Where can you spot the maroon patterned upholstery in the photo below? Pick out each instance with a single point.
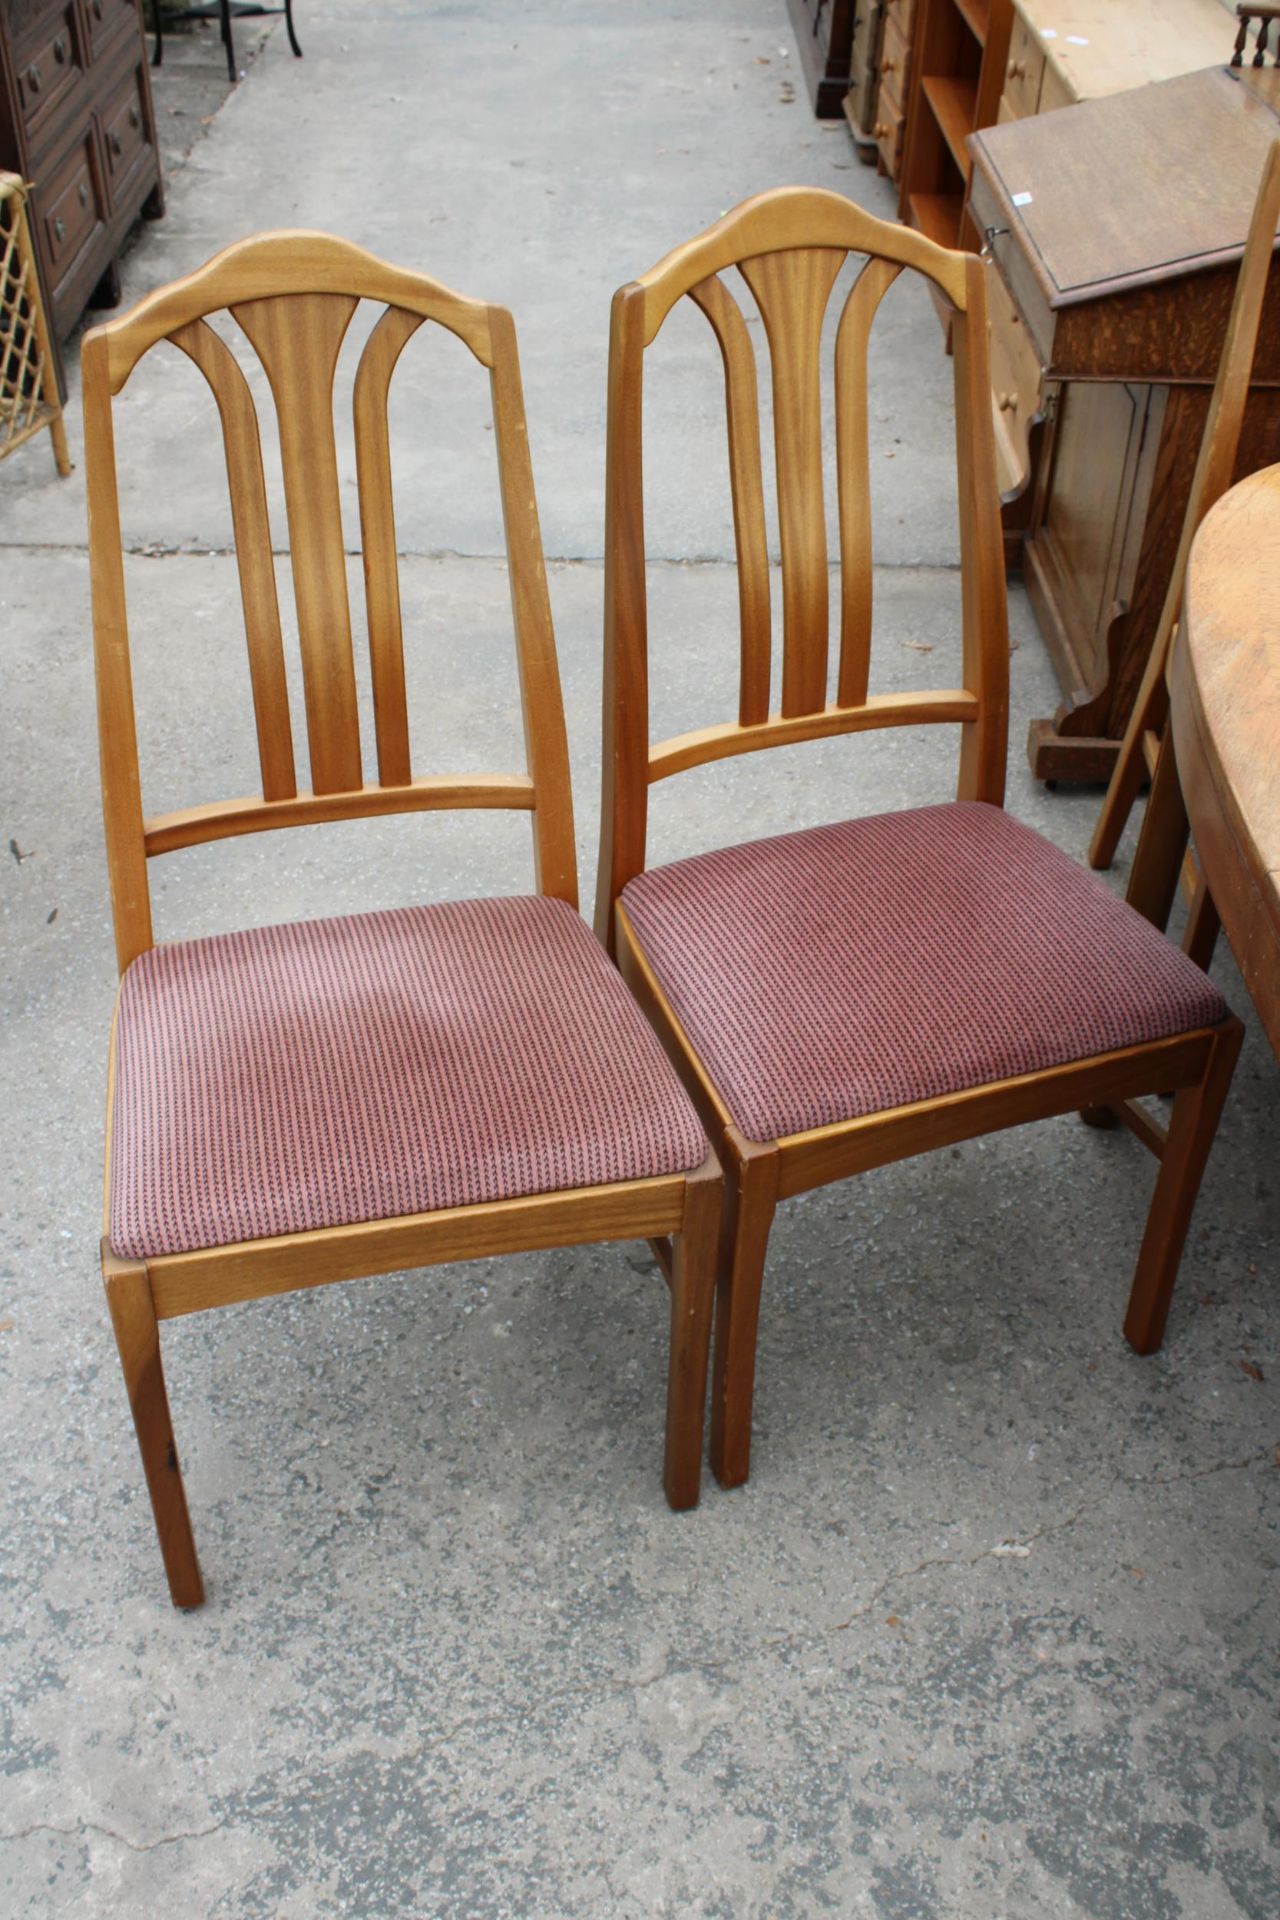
(380, 1065)
(842, 971)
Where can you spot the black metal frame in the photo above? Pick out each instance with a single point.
(224, 11)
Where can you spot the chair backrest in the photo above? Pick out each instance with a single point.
(789, 246)
(293, 296)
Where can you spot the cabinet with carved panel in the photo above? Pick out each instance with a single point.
(77, 120)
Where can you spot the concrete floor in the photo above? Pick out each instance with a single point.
(992, 1631)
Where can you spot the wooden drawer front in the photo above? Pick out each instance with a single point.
(888, 132)
(898, 13)
(894, 55)
(49, 67)
(1055, 90)
(1024, 71)
(987, 212)
(106, 19)
(124, 130)
(1015, 381)
(864, 24)
(71, 210)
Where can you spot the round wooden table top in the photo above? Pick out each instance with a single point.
(1225, 682)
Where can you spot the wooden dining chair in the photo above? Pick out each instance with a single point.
(1159, 858)
(853, 994)
(308, 1103)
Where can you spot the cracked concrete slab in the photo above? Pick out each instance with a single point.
(991, 1632)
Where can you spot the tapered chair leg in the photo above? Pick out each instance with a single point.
(693, 1289)
(750, 1203)
(1130, 770)
(1191, 1131)
(1203, 927)
(138, 1338)
(1157, 863)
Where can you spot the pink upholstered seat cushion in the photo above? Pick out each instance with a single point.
(839, 972)
(380, 1065)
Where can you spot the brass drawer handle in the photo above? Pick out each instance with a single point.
(60, 50)
(84, 194)
(59, 230)
(33, 78)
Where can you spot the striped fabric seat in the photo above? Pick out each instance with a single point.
(825, 975)
(376, 1066)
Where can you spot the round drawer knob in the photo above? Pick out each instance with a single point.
(880, 130)
(890, 66)
(1017, 69)
(135, 118)
(33, 78)
(117, 144)
(84, 194)
(59, 230)
(1008, 403)
(60, 50)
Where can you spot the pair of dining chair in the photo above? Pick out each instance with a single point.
(309, 1103)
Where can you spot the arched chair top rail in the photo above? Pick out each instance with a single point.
(290, 262)
(780, 221)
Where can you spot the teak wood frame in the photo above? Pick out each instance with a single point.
(788, 246)
(293, 295)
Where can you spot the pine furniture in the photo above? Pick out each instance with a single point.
(855, 994)
(304, 1104)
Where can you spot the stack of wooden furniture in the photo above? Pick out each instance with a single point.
(1116, 232)
(77, 121)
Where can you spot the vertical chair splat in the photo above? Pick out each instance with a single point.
(853, 478)
(742, 407)
(378, 541)
(545, 735)
(298, 337)
(251, 523)
(791, 290)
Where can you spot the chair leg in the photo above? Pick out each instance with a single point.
(750, 1203)
(1157, 863)
(1191, 1129)
(1203, 928)
(693, 1289)
(138, 1338)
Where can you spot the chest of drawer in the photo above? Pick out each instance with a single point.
(124, 130)
(107, 18)
(71, 211)
(1024, 71)
(49, 68)
(894, 55)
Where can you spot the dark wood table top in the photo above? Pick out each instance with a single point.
(1225, 681)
